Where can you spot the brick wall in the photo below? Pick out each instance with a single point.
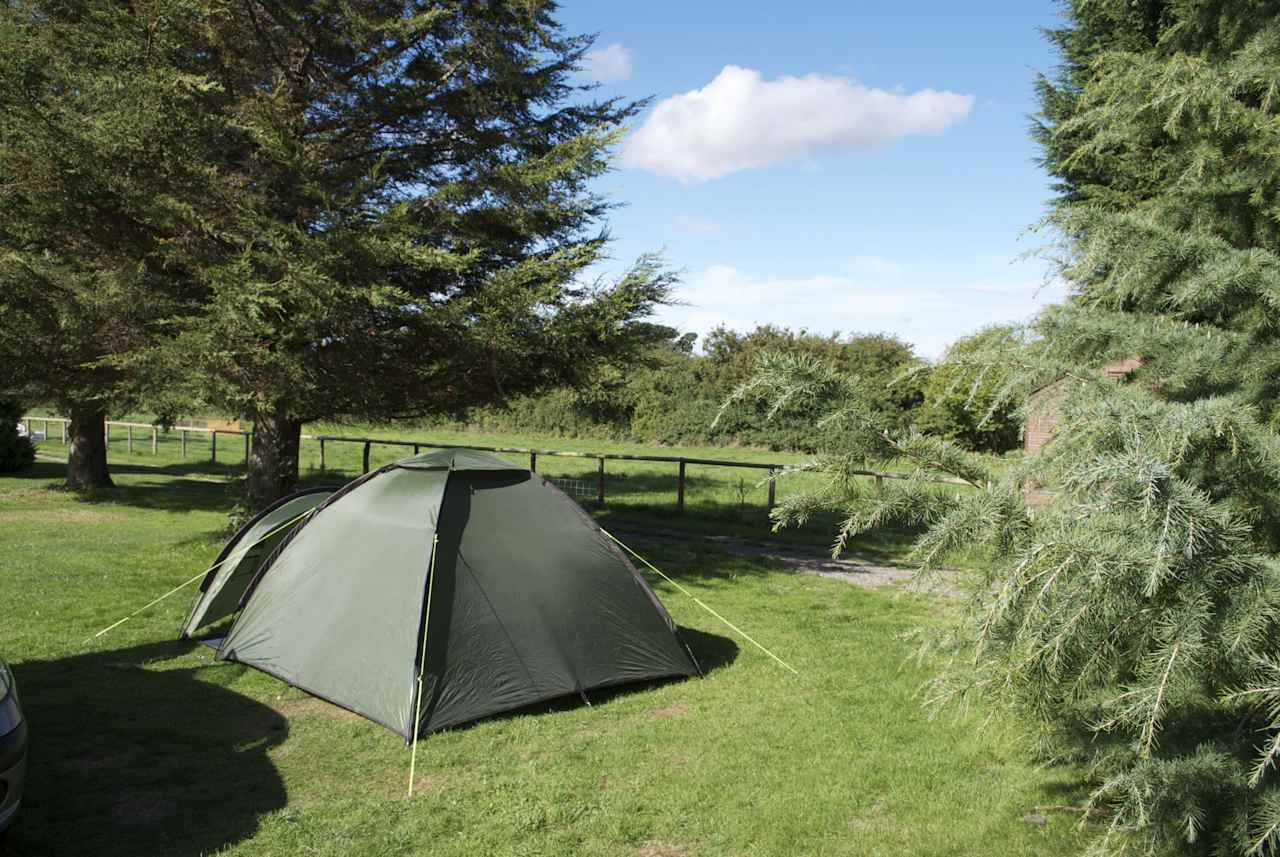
(1043, 416)
(1043, 405)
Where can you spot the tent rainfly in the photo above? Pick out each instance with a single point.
(224, 586)
(437, 590)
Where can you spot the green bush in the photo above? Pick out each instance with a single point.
(961, 404)
(16, 452)
(673, 398)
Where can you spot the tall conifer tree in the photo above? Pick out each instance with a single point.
(415, 216)
(363, 209)
(107, 200)
(1136, 615)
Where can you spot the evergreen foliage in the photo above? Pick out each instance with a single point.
(107, 200)
(289, 211)
(963, 406)
(673, 395)
(1136, 614)
(413, 218)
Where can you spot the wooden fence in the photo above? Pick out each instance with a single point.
(681, 462)
(152, 429)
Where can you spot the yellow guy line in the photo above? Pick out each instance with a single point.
(237, 556)
(700, 603)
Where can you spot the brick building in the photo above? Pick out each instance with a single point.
(1043, 414)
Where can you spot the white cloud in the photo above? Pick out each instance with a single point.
(930, 316)
(740, 121)
(875, 265)
(696, 225)
(608, 65)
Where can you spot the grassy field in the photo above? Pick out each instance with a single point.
(142, 745)
(720, 500)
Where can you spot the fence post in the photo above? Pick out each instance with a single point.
(106, 434)
(415, 449)
(46, 429)
(63, 423)
(367, 444)
(182, 433)
(129, 431)
(773, 474)
(28, 423)
(533, 462)
(680, 491)
(322, 453)
(600, 484)
(155, 440)
(213, 444)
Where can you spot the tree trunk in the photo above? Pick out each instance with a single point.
(87, 459)
(273, 459)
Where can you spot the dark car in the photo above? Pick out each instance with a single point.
(13, 748)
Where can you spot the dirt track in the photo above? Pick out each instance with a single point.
(797, 558)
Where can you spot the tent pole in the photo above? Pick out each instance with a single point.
(422, 661)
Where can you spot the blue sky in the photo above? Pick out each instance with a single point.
(836, 166)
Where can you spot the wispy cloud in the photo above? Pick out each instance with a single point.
(741, 121)
(928, 314)
(877, 266)
(696, 225)
(611, 64)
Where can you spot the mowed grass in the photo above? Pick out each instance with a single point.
(141, 745)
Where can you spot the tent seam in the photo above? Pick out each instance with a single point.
(670, 622)
(515, 650)
(415, 687)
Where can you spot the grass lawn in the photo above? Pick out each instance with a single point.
(145, 746)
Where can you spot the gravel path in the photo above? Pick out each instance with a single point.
(797, 558)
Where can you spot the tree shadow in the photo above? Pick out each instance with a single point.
(131, 756)
(205, 469)
(169, 489)
(40, 470)
(169, 495)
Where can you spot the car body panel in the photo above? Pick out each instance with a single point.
(13, 772)
(13, 748)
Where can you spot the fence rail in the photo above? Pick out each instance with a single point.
(150, 427)
(775, 469)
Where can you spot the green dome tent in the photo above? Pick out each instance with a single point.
(511, 593)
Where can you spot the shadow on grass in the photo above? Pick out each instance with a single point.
(885, 546)
(128, 757)
(205, 469)
(169, 495)
(176, 489)
(711, 651)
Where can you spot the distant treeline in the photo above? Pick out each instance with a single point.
(675, 395)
